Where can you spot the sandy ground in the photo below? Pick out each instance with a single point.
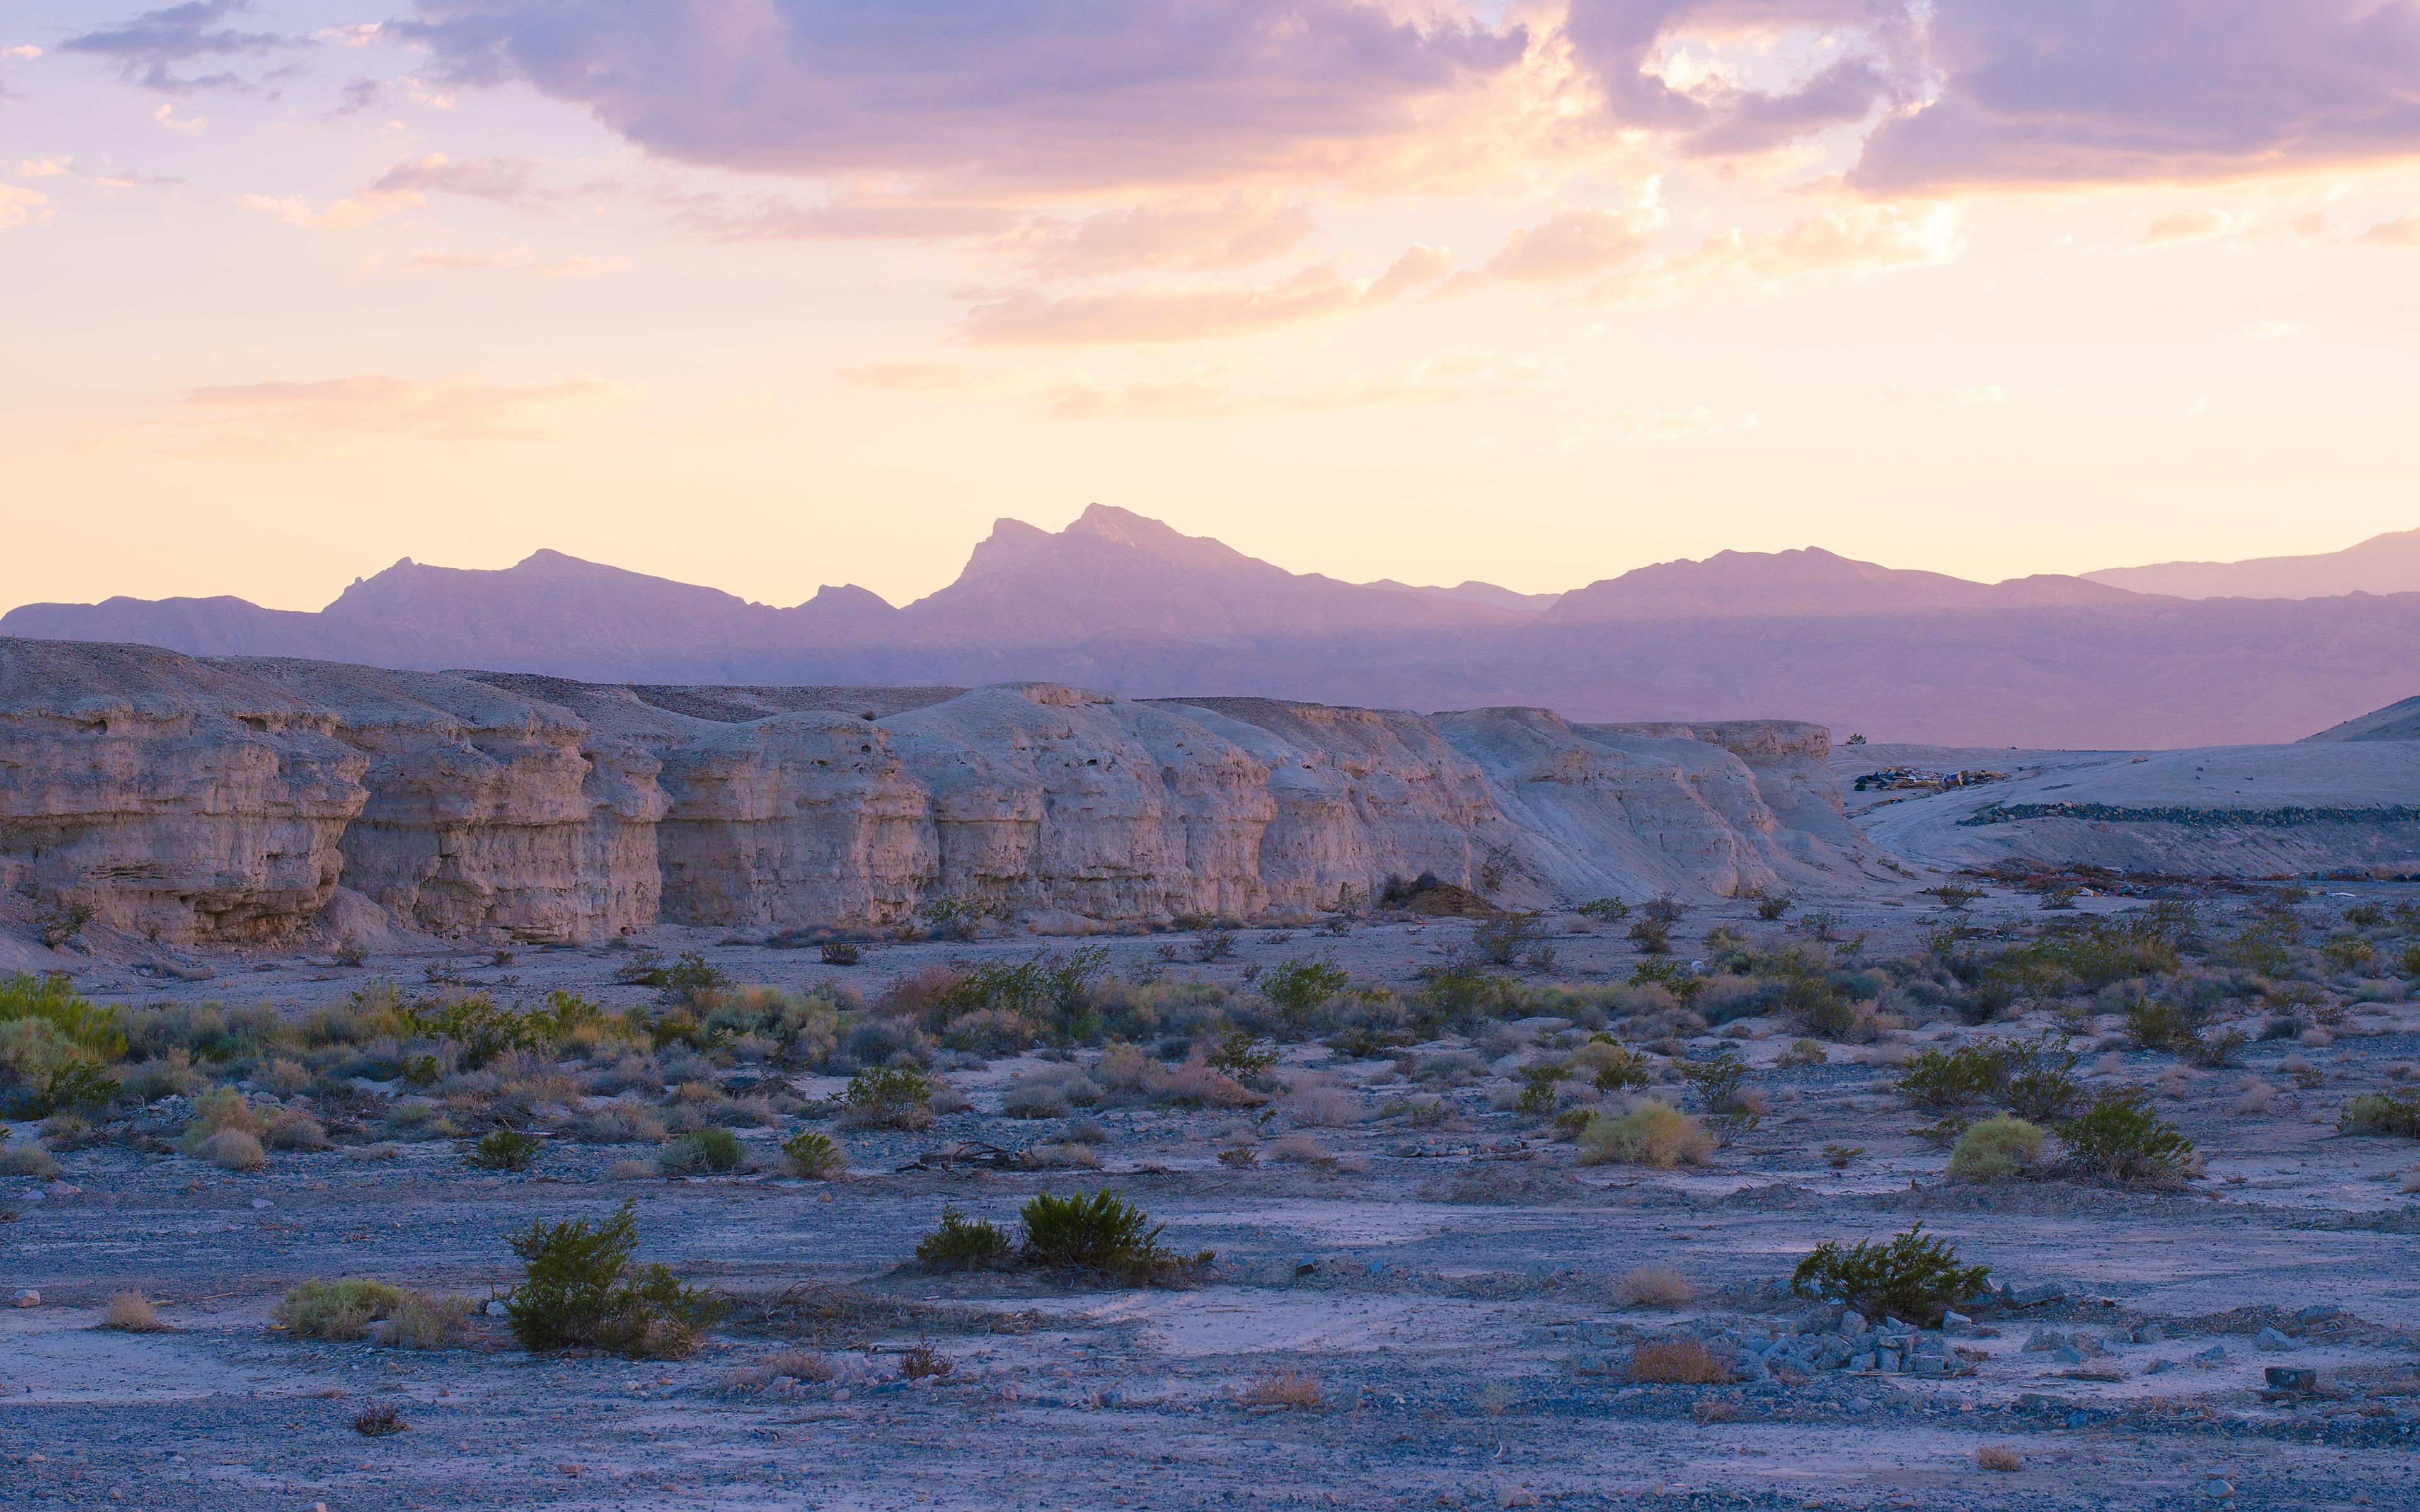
(1451, 1289)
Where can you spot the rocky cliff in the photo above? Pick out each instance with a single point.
(238, 798)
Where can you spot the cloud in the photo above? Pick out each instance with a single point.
(519, 260)
(338, 215)
(2186, 226)
(167, 115)
(1210, 393)
(25, 50)
(1861, 239)
(772, 218)
(1242, 227)
(46, 167)
(19, 206)
(977, 97)
(502, 180)
(1966, 93)
(1574, 244)
(1629, 425)
(2403, 231)
(1028, 318)
(2047, 93)
(1878, 63)
(147, 48)
(255, 417)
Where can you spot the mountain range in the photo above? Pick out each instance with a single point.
(1123, 603)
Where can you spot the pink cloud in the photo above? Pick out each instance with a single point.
(1028, 318)
(976, 96)
(1242, 227)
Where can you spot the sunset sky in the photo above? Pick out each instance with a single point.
(765, 294)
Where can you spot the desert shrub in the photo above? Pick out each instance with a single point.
(1048, 1093)
(28, 1160)
(1774, 905)
(2118, 1138)
(817, 1157)
(379, 1421)
(1839, 1156)
(1299, 989)
(578, 1290)
(1321, 1105)
(706, 1151)
(963, 1243)
(1281, 1388)
(422, 1321)
(1503, 941)
(622, 1121)
(233, 1150)
(887, 1097)
(1537, 1095)
(504, 1149)
(1649, 936)
(1995, 1149)
(1654, 1286)
(295, 1130)
(1612, 1066)
(1944, 1080)
(1606, 910)
(840, 953)
(2038, 1081)
(1682, 1362)
(1300, 1150)
(338, 1310)
(2000, 1456)
(2381, 1113)
(1953, 896)
(53, 1000)
(1718, 1080)
(1213, 945)
(1653, 1133)
(2347, 953)
(1243, 1053)
(1910, 1276)
(130, 1312)
(2158, 1026)
(1101, 1232)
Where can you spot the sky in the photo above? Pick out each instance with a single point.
(767, 294)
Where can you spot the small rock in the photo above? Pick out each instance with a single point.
(495, 1307)
(2150, 1334)
(1955, 1320)
(2068, 1354)
(262, 1204)
(2217, 1489)
(2042, 1341)
(2318, 1314)
(1515, 1496)
(26, 1297)
(2159, 1367)
(2215, 1354)
(2270, 1338)
(1852, 1323)
(2035, 1296)
(2291, 1377)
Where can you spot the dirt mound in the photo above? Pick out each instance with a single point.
(1447, 901)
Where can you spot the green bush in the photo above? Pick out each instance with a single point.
(2153, 1025)
(54, 1001)
(1774, 906)
(2038, 1082)
(2118, 1138)
(1243, 1053)
(1948, 1079)
(889, 1097)
(2381, 1113)
(815, 1156)
(1605, 910)
(504, 1149)
(963, 1243)
(1995, 1149)
(1299, 989)
(579, 1291)
(1910, 1277)
(1102, 1232)
(360, 1308)
(706, 1152)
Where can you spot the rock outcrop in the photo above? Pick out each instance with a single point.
(228, 800)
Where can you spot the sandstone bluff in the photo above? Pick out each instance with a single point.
(240, 798)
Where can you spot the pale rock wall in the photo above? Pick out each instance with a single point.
(176, 798)
(223, 800)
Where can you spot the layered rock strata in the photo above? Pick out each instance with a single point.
(230, 798)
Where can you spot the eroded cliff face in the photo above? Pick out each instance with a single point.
(228, 798)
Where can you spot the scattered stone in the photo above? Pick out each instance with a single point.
(26, 1297)
(2215, 1354)
(2291, 1377)
(495, 1307)
(2270, 1338)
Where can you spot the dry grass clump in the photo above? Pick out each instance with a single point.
(233, 1150)
(1655, 1286)
(1299, 1150)
(1281, 1388)
(1320, 1106)
(130, 1312)
(1998, 1457)
(294, 1129)
(28, 1160)
(1999, 1148)
(797, 1365)
(2257, 1099)
(364, 1308)
(1061, 1155)
(1653, 1134)
(1680, 1362)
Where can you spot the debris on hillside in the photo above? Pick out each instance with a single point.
(1892, 777)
